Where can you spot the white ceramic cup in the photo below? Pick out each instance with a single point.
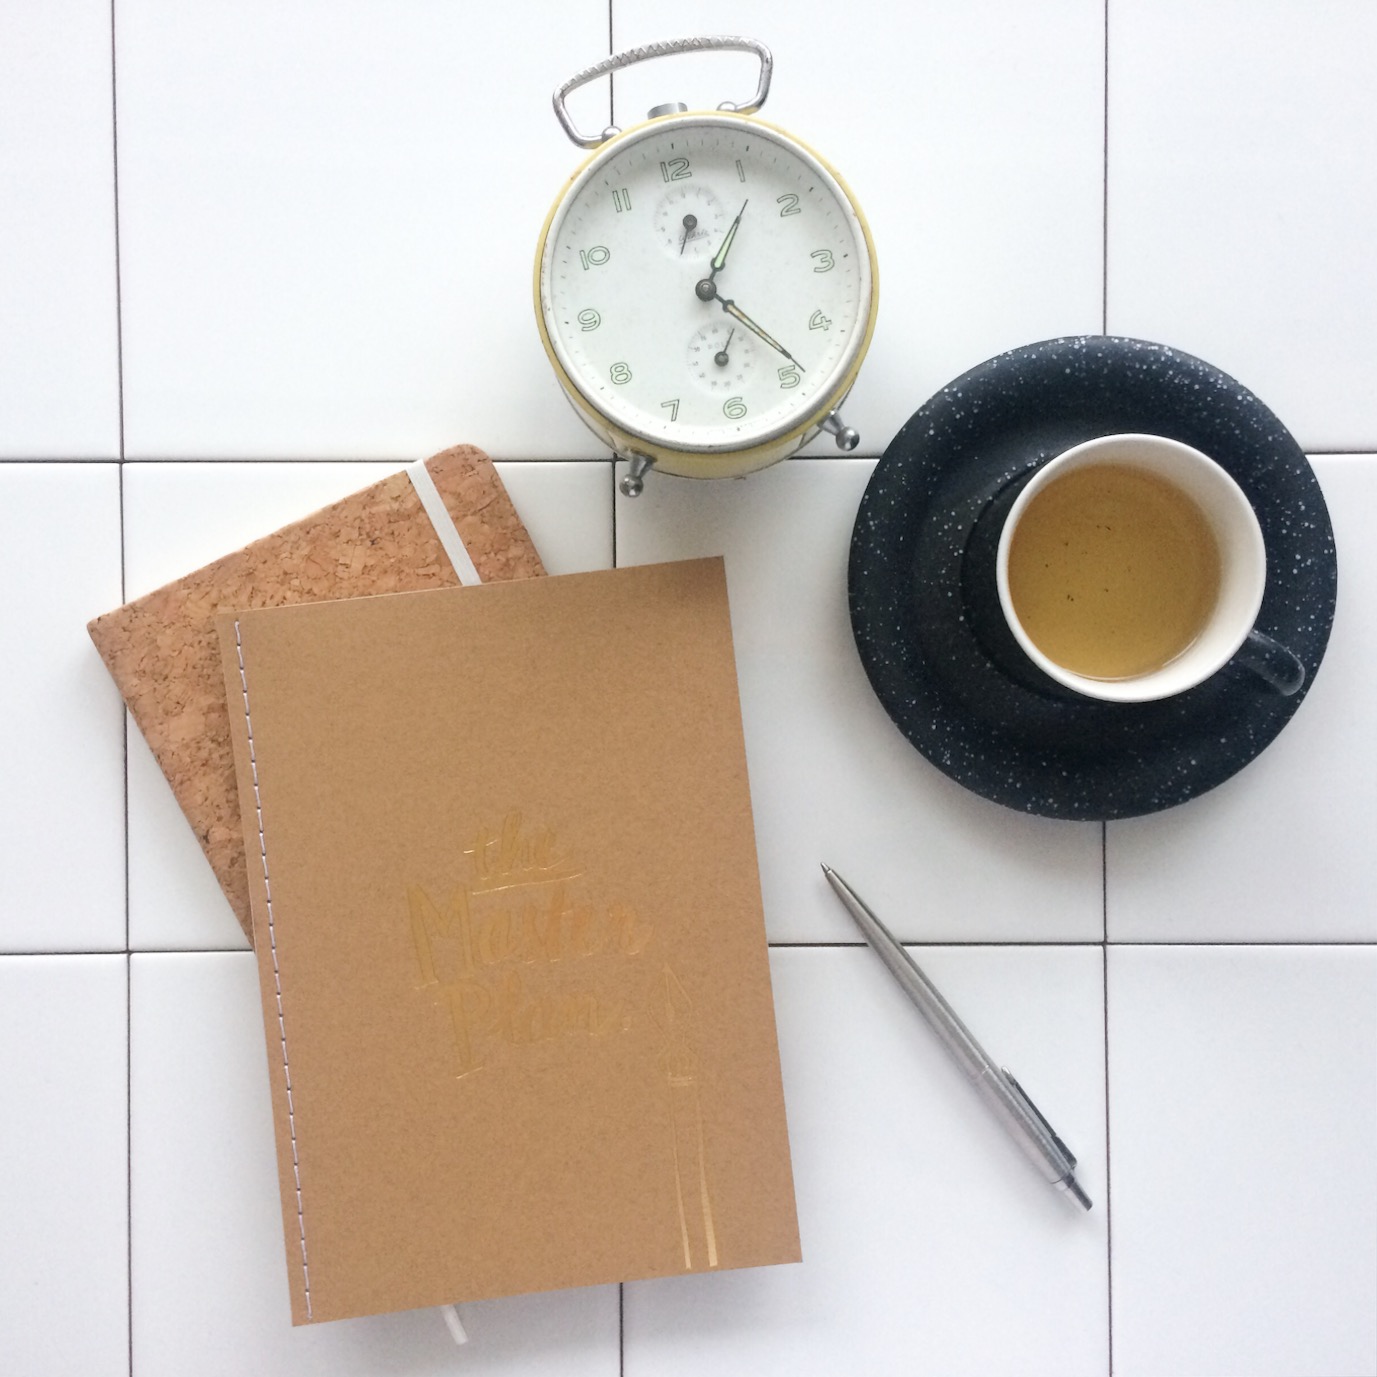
(1242, 559)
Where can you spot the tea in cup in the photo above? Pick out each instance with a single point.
(1132, 567)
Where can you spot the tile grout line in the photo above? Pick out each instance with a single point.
(611, 76)
(128, 957)
(1108, 1163)
(115, 169)
(1104, 188)
(1367, 452)
(129, 1149)
(1108, 1176)
(959, 942)
(612, 491)
(128, 991)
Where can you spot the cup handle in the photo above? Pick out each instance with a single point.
(1272, 663)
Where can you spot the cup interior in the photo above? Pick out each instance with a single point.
(1238, 540)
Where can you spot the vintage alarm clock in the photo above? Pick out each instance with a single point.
(705, 284)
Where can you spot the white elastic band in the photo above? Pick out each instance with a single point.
(453, 544)
(456, 1325)
(445, 528)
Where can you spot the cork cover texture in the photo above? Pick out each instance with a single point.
(164, 655)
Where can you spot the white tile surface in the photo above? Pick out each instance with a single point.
(179, 517)
(973, 137)
(209, 1268)
(328, 218)
(832, 779)
(567, 508)
(1243, 1119)
(1272, 855)
(59, 345)
(1241, 198)
(929, 1242)
(62, 806)
(64, 1273)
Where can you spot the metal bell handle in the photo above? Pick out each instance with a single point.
(720, 42)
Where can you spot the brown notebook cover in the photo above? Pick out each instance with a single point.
(510, 942)
(164, 656)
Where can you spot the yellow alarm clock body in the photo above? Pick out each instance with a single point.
(705, 289)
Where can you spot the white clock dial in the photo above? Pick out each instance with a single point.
(706, 284)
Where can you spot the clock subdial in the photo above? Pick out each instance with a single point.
(722, 358)
(689, 220)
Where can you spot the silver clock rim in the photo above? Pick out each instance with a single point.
(839, 377)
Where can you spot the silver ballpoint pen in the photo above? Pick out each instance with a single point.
(1010, 1102)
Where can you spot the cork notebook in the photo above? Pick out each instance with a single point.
(510, 944)
(163, 654)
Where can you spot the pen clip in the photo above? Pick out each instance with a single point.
(1022, 1096)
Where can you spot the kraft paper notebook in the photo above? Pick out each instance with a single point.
(510, 942)
(395, 536)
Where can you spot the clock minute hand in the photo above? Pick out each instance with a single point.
(736, 313)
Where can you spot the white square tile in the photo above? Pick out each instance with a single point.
(62, 811)
(567, 508)
(832, 779)
(1283, 851)
(971, 135)
(209, 1270)
(1241, 197)
(328, 220)
(929, 1242)
(1243, 1119)
(59, 337)
(64, 1254)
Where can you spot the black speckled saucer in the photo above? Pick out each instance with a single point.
(1003, 738)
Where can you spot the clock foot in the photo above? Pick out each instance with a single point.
(847, 439)
(633, 481)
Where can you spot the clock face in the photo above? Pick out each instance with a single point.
(706, 284)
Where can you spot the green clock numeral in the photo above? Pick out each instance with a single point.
(825, 260)
(789, 376)
(621, 200)
(790, 203)
(673, 408)
(619, 373)
(589, 319)
(594, 257)
(675, 169)
(818, 321)
(740, 171)
(734, 408)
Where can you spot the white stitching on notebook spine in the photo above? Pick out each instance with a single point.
(277, 972)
